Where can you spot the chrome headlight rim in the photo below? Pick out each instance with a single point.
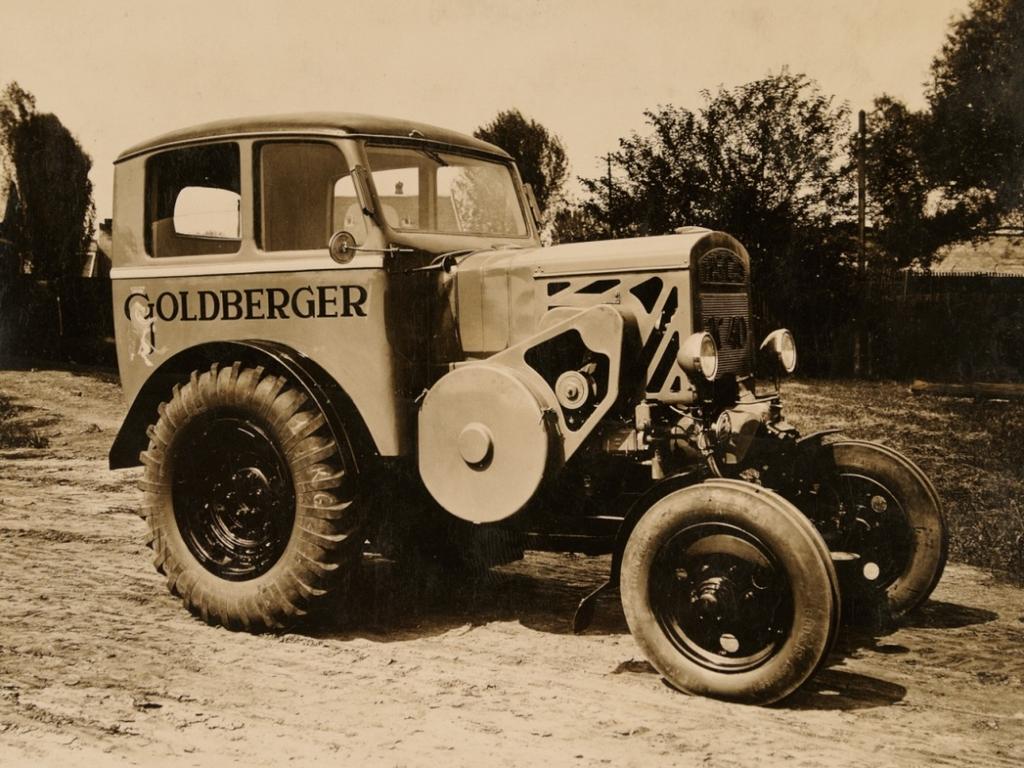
(782, 344)
(698, 356)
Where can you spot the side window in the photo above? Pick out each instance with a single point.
(300, 186)
(193, 201)
(397, 175)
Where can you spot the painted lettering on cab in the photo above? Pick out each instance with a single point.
(304, 302)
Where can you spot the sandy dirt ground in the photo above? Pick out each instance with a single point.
(100, 665)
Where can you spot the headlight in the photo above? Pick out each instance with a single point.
(723, 427)
(782, 346)
(699, 355)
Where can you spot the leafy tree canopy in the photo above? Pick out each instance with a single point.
(50, 209)
(762, 161)
(909, 213)
(538, 153)
(975, 94)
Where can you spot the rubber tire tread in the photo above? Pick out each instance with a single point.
(327, 536)
(834, 585)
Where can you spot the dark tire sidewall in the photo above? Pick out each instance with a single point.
(924, 518)
(791, 540)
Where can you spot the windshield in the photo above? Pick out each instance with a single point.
(421, 190)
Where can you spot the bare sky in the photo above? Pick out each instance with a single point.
(120, 72)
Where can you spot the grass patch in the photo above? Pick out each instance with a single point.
(14, 433)
(971, 451)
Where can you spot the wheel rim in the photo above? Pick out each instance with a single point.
(860, 515)
(233, 495)
(721, 597)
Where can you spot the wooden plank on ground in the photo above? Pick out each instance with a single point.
(987, 390)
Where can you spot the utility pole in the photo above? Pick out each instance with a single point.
(862, 264)
(609, 159)
(862, 121)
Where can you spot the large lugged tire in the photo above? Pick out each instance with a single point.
(249, 499)
(870, 500)
(729, 591)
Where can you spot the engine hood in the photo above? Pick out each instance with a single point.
(646, 253)
(498, 297)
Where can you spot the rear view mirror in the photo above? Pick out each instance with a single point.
(342, 246)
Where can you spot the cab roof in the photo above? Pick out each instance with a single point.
(311, 123)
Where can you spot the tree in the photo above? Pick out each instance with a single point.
(53, 210)
(762, 161)
(976, 146)
(658, 180)
(10, 263)
(911, 214)
(49, 213)
(15, 106)
(538, 153)
(897, 184)
(576, 223)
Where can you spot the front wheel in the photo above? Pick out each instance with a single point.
(249, 498)
(730, 592)
(874, 503)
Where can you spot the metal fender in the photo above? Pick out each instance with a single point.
(321, 389)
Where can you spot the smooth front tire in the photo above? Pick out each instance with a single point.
(249, 499)
(875, 503)
(729, 591)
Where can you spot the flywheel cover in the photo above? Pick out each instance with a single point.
(483, 442)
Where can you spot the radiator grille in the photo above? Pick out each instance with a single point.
(726, 316)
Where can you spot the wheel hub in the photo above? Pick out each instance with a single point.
(859, 515)
(233, 497)
(720, 598)
(713, 599)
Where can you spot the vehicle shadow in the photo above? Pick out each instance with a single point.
(936, 614)
(391, 602)
(863, 632)
(828, 690)
(842, 690)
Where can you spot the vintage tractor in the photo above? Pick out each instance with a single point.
(335, 329)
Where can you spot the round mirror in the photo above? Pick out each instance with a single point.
(342, 246)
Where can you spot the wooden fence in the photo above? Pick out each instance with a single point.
(39, 321)
(963, 327)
